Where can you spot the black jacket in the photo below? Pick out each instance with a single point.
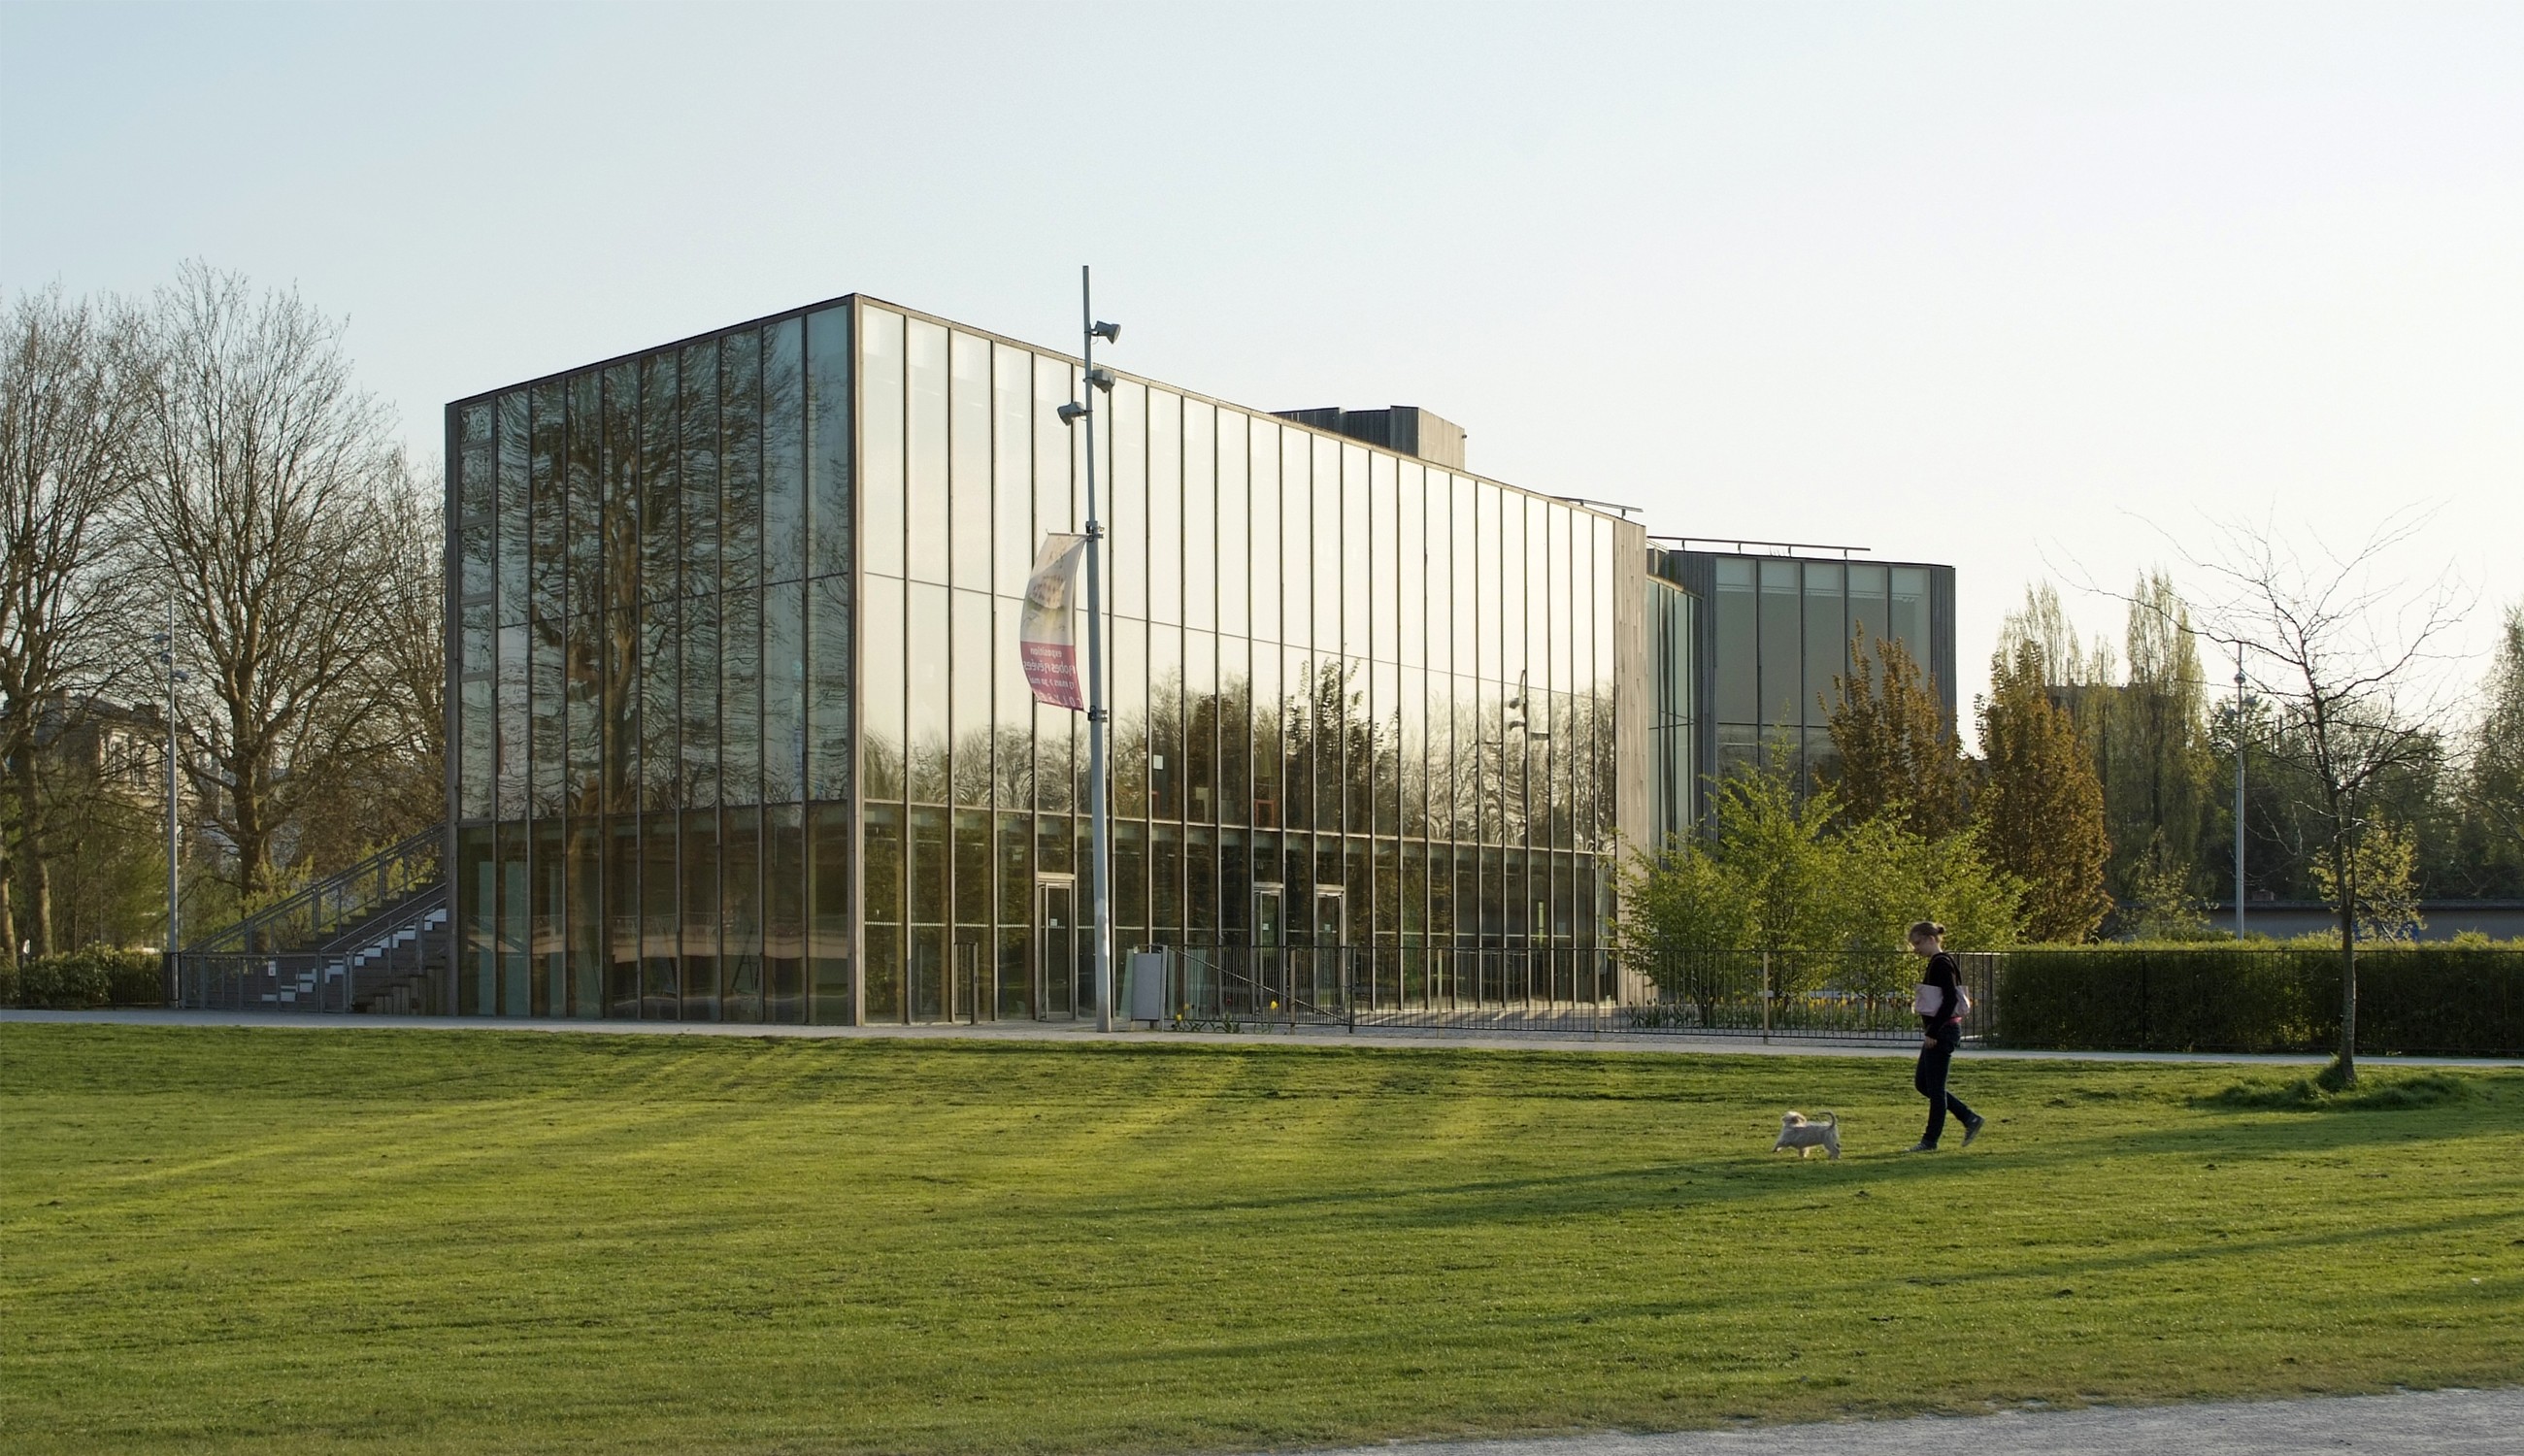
(1949, 1005)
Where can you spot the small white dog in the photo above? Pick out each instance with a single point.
(1806, 1134)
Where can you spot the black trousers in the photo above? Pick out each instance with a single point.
(1931, 1079)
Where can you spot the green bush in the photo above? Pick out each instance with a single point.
(85, 978)
(2397, 1092)
(2455, 1001)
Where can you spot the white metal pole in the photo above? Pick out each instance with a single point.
(174, 918)
(2239, 791)
(1097, 808)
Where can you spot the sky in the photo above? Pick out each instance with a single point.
(2042, 291)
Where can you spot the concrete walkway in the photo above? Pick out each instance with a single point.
(2437, 1423)
(1066, 1033)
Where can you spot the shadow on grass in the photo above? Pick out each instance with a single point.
(1730, 1176)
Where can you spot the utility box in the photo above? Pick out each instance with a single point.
(1145, 980)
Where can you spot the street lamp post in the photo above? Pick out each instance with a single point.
(1523, 704)
(1098, 810)
(2240, 700)
(175, 917)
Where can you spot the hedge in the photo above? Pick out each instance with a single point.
(2455, 1001)
(80, 980)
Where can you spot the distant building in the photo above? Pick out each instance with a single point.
(98, 744)
(1755, 641)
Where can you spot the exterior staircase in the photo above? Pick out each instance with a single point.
(373, 938)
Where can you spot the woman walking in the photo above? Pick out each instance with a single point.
(1941, 1014)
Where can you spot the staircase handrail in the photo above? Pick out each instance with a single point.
(413, 907)
(335, 901)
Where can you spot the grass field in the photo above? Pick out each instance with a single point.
(375, 1240)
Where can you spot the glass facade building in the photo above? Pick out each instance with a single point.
(1768, 637)
(740, 732)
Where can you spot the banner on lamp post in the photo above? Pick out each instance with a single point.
(1046, 632)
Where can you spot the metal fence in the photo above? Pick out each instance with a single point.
(2435, 999)
(1832, 995)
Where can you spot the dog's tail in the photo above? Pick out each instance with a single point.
(1827, 1119)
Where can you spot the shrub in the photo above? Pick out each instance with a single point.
(2410, 998)
(62, 982)
(87, 978)
(2321, 1092)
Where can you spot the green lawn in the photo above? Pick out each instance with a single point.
(369, 1241)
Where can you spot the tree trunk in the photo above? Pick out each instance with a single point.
(39, 879)
(252, 845)
(39, 904)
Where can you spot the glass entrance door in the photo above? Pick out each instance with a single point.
(1264, 990)
(1055, 943)
(972, 993)
(1328, 956)
(1331, 921)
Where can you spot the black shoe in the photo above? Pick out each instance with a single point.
(1971, 1129)
(1922, 1147)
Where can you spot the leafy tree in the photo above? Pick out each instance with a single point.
(2043, 625)
(2149, 747)
(1677, 906)
(2380, 893)
(2160, 905)
(1770, 843)
(1898, 759)
(1887, 878)
(2041, 808)
(2492, 814)
(2142, 719)
(1774, 874)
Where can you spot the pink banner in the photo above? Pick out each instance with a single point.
(1046, 632)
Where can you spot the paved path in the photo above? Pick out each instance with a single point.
(1075, 1033)
(2439, 1423)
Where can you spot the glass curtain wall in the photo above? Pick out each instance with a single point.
(1783, 630)
(742, 733)
(654, 708)
(1357, 699)
(1674, 720)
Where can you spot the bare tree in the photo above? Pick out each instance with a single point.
(381, 774)
(2337, 655)
(69, 402)
(266, 470)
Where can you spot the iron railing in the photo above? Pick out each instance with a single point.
(392, 964)
(324, 910)
(1844, 996)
